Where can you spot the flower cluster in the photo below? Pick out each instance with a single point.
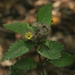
(38, 34)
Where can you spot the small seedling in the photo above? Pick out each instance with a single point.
(35, 36)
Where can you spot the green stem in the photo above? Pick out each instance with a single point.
(41, 64)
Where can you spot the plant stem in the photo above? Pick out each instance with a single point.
(41, 64)
(39, 57)
(42, 71)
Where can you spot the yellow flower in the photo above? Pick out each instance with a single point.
(28, 35)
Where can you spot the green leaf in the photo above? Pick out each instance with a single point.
(65, 60)
(53, 45)
(44, 15)
(51, 50)
(25, 64)
(17, 72)
(18, 27)
(17, 49)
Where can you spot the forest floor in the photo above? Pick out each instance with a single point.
(62, 29)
